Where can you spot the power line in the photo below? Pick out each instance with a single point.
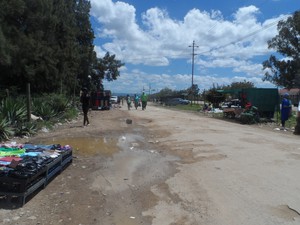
(246, 36)
(220, 47)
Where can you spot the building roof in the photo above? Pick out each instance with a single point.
(293, 91)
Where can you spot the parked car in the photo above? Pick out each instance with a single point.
(114, 99)
(231, 104)
(177, 101)
(185, 101)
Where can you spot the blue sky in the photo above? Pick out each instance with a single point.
(154, 38)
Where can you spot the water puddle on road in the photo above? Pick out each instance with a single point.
(88, 145)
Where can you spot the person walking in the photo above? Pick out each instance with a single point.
(85, 101)
(144, 99)
(286, 109)
(128, 99)
(136, 101)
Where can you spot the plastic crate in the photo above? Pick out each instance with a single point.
(13, 188)
(21, 197)
(19, 185)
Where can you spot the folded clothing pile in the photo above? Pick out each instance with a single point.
(25, 161)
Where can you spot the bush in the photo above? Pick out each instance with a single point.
(70, 113)
(43, 109)
(14, 111)
(26, 129)
(51, 108)
(5, 130)
(58, 102)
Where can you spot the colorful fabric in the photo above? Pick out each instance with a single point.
(4, 163)
(5, 149)
(32, 154)
(9, 159)
(11, 152)
(11, 145)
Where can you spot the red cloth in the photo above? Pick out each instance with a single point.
(248, 105)
(10, 158)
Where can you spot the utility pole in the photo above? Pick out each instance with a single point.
(193, 56)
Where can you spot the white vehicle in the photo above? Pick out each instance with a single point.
(114, 99)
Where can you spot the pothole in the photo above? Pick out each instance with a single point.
(88, 146)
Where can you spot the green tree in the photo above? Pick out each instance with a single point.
(85, 38)
(10, 20)
(106, 68)
(239, 85)
(38, 64)
(25, 26)
(166, 92)
(49, 44)
(285, 73)
(213, 96)
(5, 58)
(193, 90)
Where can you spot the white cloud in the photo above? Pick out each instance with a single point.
(246, 15)
(157, 39)
(99, 51)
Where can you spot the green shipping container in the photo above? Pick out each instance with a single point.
(265, 99)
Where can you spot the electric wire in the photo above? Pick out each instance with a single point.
(185, 55)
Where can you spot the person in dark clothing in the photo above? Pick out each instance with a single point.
(286, 109)
(85, 101)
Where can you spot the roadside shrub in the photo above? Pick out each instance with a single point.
(42, 109)
(26, 129)
(290, 123)
(58, 102)
(50, 106)
(14, 111)
(70, 113)
(5, 129)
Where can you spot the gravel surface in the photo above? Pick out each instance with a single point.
(167, 167)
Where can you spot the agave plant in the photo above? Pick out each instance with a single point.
(26, 129)
(5, 129)
(43, 109)
(14, 111)
(59, 103)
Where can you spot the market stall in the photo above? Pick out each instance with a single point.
(24, 168)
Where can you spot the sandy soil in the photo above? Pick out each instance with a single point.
(168, 167)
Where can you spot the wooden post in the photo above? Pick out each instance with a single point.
(28, 103)
(297, 127)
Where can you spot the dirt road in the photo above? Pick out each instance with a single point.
(168, 168)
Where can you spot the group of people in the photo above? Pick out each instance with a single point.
(85, 103)
(286, 105)
(137, 101)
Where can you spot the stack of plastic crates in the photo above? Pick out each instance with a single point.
(25, 169)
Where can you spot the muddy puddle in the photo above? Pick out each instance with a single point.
(88, 146)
